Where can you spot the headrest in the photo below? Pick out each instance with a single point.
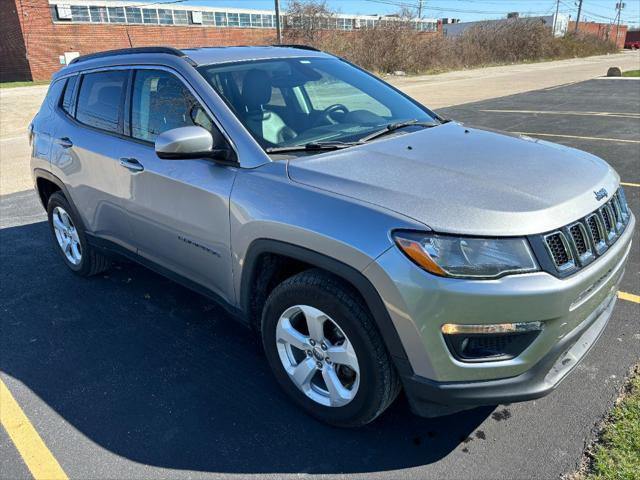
(256, 89)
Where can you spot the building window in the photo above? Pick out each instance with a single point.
(221, 19)
(345, 23)
(133, 15)
(267, 21)
(208, 18)
(165, 16)
(245, 20)
(149, 15)
(256, 20)
(116, 14)
(233, 20)
(196, 17)
(98, 14)
(180, 17)
(79, 14)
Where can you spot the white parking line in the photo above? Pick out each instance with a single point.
(604, 139)
(569, 112)
(13, 139)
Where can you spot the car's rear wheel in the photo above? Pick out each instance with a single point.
(70, 239)
(325, 350)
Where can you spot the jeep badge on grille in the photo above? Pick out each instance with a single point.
(600, 194)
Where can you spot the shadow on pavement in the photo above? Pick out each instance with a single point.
(159, 375)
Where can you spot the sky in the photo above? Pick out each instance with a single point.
(466, 10)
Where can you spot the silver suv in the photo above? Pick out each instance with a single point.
(374, 245)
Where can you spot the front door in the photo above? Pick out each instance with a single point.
(178, 209)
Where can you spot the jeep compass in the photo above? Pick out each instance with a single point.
(373, 245)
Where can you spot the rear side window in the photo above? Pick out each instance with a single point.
(53, 94)
(67, 99)
(100, 99)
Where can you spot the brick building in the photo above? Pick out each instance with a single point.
(40, 36)
(605, 31)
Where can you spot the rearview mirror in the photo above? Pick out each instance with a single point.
(185, 143)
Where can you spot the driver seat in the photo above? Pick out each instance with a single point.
(264, 123)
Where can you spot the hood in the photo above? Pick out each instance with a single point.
(465, 180)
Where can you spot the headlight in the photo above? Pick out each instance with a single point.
(467, 257)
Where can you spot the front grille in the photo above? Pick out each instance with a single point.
(594, 229)
(557, 246)
(571, 247)
(579, 239)
(608, 224)
(615, 208)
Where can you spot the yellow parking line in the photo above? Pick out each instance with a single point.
(629, 297)
(568, 112)
(578, 137)
(39, 460)
(627, 184)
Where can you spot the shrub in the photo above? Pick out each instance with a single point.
(396, 46)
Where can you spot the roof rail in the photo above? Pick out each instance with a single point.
(128, 51)
(294, 45)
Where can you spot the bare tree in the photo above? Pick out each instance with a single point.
(306, 20)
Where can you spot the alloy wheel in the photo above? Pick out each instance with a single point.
(317, 355)
(66, 235)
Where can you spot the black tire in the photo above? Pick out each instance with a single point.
(379, 383)
(92, 261)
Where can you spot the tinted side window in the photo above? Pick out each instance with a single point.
(67, 99)
(100, 99)
(161, 102)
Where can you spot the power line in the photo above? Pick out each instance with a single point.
(449, 9)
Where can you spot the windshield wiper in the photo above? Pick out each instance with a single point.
(313, 147)
(396, 126)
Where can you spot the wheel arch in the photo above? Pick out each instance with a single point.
(47, 184)
(297, 259)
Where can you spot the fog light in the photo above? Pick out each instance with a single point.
(489, 343)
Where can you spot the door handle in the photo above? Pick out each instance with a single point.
(131, 164)
(65, 142)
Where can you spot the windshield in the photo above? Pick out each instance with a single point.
(290, 102)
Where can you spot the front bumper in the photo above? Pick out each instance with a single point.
(428, 398)
(574, 311)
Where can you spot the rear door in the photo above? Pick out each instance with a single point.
(88, 147)
(179, 209)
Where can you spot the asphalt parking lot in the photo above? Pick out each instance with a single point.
(129, 375)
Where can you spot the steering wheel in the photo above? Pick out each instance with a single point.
(327, 113)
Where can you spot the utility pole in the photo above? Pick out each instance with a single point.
(578, 17)
(619, 6)
(278, 26)
(555, 19)
(420, 5)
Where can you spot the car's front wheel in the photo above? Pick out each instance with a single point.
(325, 350)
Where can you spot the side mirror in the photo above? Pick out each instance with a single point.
(190, 142)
